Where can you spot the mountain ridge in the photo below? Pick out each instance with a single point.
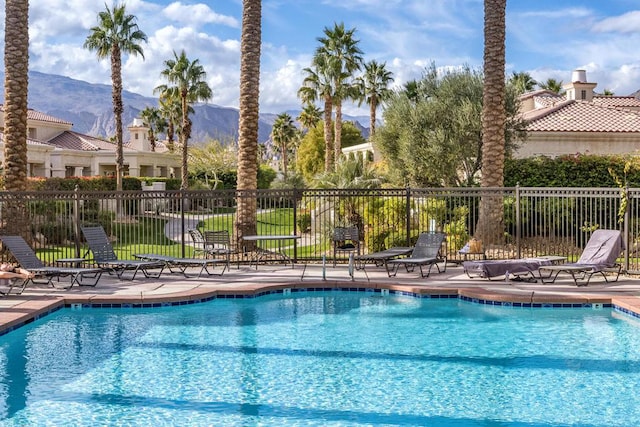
(89, 107)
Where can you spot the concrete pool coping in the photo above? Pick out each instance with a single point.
(247, 281)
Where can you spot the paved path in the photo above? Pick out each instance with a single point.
(173, 229)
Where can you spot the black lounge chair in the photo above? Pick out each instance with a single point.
(27, 258)
(105, 257)
(381, 258)
(180, 265)
(598, 257)
(427, 252)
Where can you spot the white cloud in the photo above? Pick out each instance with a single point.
(627, 23)
(197, 14)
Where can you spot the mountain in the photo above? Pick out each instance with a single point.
(88, 106)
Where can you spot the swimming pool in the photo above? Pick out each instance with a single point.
(324, 359)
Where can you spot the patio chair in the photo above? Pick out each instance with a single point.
(27, 258)
(199, 245)
(426, 253)
(218, 243)
(345, 240)
(105, 257)
(598, 256)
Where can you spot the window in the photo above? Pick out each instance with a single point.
(32, 133)
(583, 94)
(135, 135)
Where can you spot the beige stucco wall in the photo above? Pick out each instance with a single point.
(553, 144)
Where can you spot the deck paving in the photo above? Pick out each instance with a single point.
(247, 280)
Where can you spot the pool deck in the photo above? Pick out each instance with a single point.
(172, 288)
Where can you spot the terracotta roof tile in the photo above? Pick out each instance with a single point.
(76, 141)
(37, 115)
(582, 116)
(29, 141)
(617, 101)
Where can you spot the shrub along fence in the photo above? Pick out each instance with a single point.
(536, 221)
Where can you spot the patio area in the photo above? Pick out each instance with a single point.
(247, 281)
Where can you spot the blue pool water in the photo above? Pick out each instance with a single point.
(324, 359)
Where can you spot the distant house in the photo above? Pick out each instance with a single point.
(579, 121)
(54, 150)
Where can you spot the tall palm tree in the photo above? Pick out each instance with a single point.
(309, 116)
(373, 88)
(318, 85)
(250, 41)
(116, 33)
(340, 52)
(283, 133)
(186, 80)
(16, 63)
(152, 118)
(491, 221)
(170, 112)
(553, 85)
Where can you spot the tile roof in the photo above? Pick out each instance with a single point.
(582, 116)
(29, 140)
(37, 115)
(617, 101)
(71, 140)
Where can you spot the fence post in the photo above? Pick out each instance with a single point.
(518, 222)
(76, 218)
(295, 223)
(408, 214)
(183, 205)
(627, 219)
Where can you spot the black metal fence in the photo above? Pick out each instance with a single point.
(536, 221)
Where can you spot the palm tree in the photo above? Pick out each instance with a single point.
(373, 88)
(247, 179)
(317, 85)
(340, 52)
(16, 63)
(152, 118)
(490, 221)
(283, 133)
(115, 34)
(523, 82)
(170, 112)
(309, 116)
(187, 80)
(553, 85)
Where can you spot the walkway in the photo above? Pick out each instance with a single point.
(15, 310)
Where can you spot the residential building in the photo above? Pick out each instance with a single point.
(580, 121)
(54, 150)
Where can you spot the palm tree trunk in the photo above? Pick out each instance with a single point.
(490, 226)
(184, 137)
(373, 105)
(16, 60)
(116, 94)
(248, 123)
(337, 137)
(328, 135)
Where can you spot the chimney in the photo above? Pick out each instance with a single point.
(579, 76)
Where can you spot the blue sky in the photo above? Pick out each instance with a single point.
(545, 38)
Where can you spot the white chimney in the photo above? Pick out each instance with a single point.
(579, 76)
